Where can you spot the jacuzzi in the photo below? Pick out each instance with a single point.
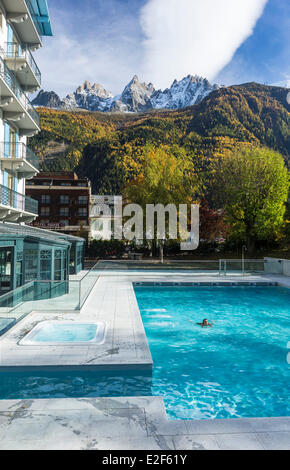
(61, 333)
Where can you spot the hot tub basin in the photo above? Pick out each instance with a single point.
(65, 333)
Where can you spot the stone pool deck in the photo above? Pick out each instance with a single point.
(128, 424)
(113, 301)
(117, 423)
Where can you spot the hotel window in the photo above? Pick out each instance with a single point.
(30, 265)
(64, 211)
(64, 199)
(83, 200)
(80, 256)
(6, 257)
(64, 265)
(45, 265)
(57, 265)
(64, 223)
(82, 212)
(98, 225)
(19, 269)
(45, 211)
(45, 199)
(60, 265)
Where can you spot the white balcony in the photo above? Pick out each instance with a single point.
(16, 207)
(20, 60)
(15, 104)
(22, 15)
(18, 160)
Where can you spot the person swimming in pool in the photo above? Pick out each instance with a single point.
(205, 324)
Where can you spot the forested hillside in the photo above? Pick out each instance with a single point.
(108, 148)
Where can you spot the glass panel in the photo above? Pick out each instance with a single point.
(45, 199)
(19, 273)
(64, 212)
(57, 269)
(45, 265)
(30, 265)
(64, 199)
(6, 256)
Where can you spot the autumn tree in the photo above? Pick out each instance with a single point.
(167, 177)
(252, 186)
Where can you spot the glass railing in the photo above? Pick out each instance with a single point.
(31, 205)
(67, 296)
(12, 82)
(13, 50)
(18, 150)
(34, 17)
(18, 201)
(198, 267)
(193, 267)
(239, 266)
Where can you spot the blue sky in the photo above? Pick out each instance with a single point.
(108, 41)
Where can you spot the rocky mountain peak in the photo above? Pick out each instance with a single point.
(136, 96)
(47, 98)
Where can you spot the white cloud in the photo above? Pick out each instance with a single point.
(106, 55)
(194, 36)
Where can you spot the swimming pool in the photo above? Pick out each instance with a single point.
(238, 368)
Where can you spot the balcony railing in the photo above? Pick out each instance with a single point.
(12, 82)
(16, 51)
(18, 150)
(18, 201)
(34, 17)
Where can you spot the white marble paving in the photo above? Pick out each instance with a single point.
(138, 423)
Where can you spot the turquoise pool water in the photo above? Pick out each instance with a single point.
(238, 368)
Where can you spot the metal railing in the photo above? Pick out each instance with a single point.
(34, 17)
(18, 201)
(18, 150)
(12, 82)
(13, 50)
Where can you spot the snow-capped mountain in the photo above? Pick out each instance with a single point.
(136, 96)
(187, 92)
(90, 97)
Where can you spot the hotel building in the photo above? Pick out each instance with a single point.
(26, 253)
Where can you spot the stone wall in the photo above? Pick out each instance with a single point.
(277, 266)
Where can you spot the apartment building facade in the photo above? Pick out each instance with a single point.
(105, 213)
(63, 200)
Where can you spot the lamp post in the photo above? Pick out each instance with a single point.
(244, 249)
